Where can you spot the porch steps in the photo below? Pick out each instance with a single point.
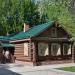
(23, 62)
(22, 58)
(17, 54)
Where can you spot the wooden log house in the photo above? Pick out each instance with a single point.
(43, 44)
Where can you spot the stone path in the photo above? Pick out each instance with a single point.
(21, 69)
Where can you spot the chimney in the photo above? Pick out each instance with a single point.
(7, 33)
(26, 27)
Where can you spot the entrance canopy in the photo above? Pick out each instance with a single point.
(7, 45)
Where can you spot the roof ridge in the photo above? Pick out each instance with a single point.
(39, 25)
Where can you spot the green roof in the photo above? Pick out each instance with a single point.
(4, 38)
(32, 32)
(7, 45)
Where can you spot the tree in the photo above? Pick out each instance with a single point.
(13, 13)
(59, 10)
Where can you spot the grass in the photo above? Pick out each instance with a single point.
(70, 69)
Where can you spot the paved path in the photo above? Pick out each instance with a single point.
(21, 69)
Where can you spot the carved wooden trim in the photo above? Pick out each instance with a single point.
(30, 52)
(73, 53)
(61, 45)
(49, 45)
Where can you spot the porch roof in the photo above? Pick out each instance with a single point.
(7, 45)
(4, 38)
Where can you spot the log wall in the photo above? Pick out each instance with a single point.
(19, 52)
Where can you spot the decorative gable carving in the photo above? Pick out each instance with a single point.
(54, 32)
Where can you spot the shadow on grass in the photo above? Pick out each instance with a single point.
(5, 71)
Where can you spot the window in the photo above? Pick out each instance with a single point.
(55, 49)
(25, 49)
(66, 49)
(54, 33)
(43, 49)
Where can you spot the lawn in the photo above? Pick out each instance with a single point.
(71, 69)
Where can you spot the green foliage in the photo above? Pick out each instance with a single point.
(59, 10)
(13, 13)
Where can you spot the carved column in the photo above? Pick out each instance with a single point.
(61, 44)
(31, 48)
(73, 52)
(49, 46)
(35, 54)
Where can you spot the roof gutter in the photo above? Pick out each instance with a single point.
(22, 40)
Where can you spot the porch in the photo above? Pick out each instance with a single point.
(54, 52)
(6, 53)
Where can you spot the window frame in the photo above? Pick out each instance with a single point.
(47, 49)
(58, 45)
(68, 45)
